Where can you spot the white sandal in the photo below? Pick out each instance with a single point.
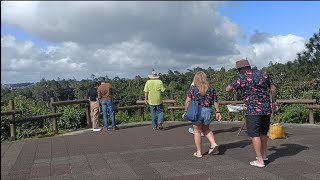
(197, 155)
(214, 150)
(254, 163)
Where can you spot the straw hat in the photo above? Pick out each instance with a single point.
(153, 75)
(242, 63)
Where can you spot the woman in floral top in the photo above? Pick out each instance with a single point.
(206, 95)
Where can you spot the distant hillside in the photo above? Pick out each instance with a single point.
(16, 86)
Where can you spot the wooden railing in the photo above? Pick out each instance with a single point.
(140, 105)
(172, 102)
(85, 101)
(279, 101)
(13, 121)
(311, 113)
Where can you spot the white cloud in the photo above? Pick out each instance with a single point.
(279, 49)
(127, 39)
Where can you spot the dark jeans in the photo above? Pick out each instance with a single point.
(160, 111)
(108, 108)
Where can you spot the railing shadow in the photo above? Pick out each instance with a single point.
(285, 150)
(176, 126)
(239, 144)
(132, 126)
(233, 129)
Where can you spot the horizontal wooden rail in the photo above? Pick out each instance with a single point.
(315, 106)
(35, 118)
(230, 102)
(175, 107)
(169, 101)
(60, 103)
(11, 112)
(296, 101)
(131, 107)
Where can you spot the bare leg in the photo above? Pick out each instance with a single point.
(257, 145)
(264, 141)
(209, 135)
(197, 137)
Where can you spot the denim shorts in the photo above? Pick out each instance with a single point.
(205, 117)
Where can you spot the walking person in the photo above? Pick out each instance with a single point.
(191, 129)
(153, 90)
(94, 106)
(206, 95)
(255, 87)
(105, 96)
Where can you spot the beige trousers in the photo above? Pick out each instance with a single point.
(95, 110)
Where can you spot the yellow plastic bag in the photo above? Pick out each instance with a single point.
(276, 131)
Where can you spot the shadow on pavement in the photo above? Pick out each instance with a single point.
(176, 126)
(285, 150)
(132, 126)
(239, 144)
(233, 129)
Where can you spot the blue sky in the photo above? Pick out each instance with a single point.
(277, 18)
(107, 37)
(22, 35)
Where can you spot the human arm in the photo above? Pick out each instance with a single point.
(273, 92)
(274, 104)
(218, 113)
(186, 105)
(162, 88)
(146, 92)
(233, 86)
(146, 97)
(216, 104)
(99, 94)
(188, 99)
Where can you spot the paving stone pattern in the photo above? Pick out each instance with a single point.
(139, 152)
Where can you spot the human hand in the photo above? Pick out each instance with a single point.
(274, 107)
(184, 115)
(218, 116)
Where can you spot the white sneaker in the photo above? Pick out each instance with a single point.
(191, 130)
(96, 129)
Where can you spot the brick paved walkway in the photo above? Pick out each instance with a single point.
(138, 152)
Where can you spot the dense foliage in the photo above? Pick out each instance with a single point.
(296, 79)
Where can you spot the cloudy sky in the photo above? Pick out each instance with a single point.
(77, 39)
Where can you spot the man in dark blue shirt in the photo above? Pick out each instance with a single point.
(94, 106)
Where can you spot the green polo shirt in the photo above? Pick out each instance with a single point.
(154, 88)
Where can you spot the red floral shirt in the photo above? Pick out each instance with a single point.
(205, 101)
(255, 88)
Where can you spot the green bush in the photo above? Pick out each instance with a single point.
(29, 108)
(295, 113)
(122, 117)
(73, 117)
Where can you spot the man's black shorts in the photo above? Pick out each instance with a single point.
(257, 125)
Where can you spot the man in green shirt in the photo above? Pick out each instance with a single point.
(153, 90)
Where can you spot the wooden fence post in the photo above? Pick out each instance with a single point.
(12, 125)
(54, 119)
(89, 125)
(172, 113)
(142, 114)
(235, 98)
(311, 116)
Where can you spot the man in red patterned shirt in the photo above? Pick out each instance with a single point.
(255, 87)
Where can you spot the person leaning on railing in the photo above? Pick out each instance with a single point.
(94, 106)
